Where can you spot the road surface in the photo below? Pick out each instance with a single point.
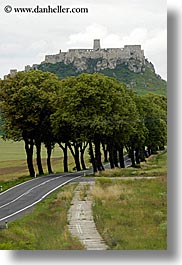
(16, 201)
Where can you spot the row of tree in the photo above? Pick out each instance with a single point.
(90, 110)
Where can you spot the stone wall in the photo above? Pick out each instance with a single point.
(109, 57)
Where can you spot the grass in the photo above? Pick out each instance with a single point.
(131, 214)
(155, 165)
(45, 228)
(83, 192)
(13, 165)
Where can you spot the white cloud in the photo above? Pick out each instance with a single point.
(94, 31)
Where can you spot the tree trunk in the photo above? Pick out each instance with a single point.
(92, 158)
(65, 158)
(132, 157)
(75, 154)
(105, 150)
(39, 162)
(153, 150)
(82, 151)
(142, 154)
(121, 157)
(161, 147)
(49, 151)
(29, 153)
(149, 150)
(115, 157)
(82, 159)
(77, 158)
(111, 157)
(137, 156)
(98, 154)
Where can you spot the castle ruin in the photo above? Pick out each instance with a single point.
(130, 55)
(109, 57)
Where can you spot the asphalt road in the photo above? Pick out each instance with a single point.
(16, 201)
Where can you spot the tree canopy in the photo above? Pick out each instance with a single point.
(86, 110)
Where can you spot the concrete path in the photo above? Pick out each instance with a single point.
(80, 218)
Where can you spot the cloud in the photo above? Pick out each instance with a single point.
(85, 37)
(116, 23)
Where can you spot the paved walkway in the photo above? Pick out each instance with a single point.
(80, 218)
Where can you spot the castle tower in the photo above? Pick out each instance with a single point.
(96, 45)
(13, 72)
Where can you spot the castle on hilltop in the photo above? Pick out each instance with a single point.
(130, 55)
(126, 53)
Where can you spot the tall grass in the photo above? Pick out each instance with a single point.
(131, 214)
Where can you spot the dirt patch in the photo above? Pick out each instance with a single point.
(9, 170)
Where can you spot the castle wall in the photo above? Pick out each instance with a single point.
(126, 53)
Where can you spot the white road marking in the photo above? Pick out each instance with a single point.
(79, 206)
(45, 195)
(78, 227)
(1, 193)
(17, 186)
(28, 191)
(77, 215)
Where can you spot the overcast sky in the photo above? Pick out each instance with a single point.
(27, 38)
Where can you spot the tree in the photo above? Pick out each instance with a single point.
(93, 108)
(153, 117)
(25, 103)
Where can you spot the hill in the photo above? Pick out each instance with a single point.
(128, 65)
(142, 82)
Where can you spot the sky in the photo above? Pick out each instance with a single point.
(26, 38)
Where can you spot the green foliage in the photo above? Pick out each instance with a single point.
(90, 105)
(155, 119)
(60, 69)
(94, 108)
(1, 125)
(142, 83)
(25, 100)
(25, 103)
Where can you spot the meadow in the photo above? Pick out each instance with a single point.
(131, 214)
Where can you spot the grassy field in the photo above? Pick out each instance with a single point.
(132, 214)
(45, 228)
(13, 166)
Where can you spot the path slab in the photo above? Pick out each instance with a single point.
(80, 218)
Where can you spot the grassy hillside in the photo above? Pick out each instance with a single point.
(142, 83)
(60, 69)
